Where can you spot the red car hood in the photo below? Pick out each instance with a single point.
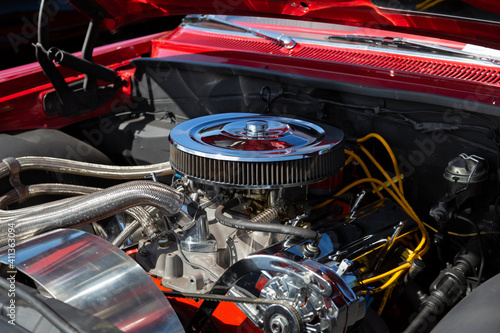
(361, 13)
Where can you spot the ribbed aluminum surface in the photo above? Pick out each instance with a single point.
(254, 151)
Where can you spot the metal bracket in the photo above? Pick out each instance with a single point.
(14, 179)
(79, 97)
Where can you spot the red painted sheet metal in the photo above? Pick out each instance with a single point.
(22, 88)
(359, 13)
(421, 74)
(425, 65)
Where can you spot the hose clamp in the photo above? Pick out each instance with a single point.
(14, 179)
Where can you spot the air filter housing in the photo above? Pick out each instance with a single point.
(245, 150)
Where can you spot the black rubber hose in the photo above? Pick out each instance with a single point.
(481, 252)
(421, 323)
(444, 291)
(253, 226)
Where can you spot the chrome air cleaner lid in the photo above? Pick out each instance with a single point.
(258, 151)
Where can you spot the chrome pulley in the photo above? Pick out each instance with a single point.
(297, 297)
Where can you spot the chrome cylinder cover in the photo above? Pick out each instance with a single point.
(241, 150)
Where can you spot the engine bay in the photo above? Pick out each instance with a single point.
(293, 205)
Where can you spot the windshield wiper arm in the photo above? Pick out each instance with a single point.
(399, 42)
(278, 38)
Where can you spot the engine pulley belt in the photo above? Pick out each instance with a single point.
(229, 299)
(251, 264)
(234, 299)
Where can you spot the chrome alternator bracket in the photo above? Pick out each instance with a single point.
(298, 297)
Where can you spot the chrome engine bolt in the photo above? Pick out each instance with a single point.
(279, 324)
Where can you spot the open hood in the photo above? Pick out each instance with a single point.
(473, 22)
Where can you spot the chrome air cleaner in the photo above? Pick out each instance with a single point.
(242, 150)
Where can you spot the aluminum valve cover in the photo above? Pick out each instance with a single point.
(242, 150)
